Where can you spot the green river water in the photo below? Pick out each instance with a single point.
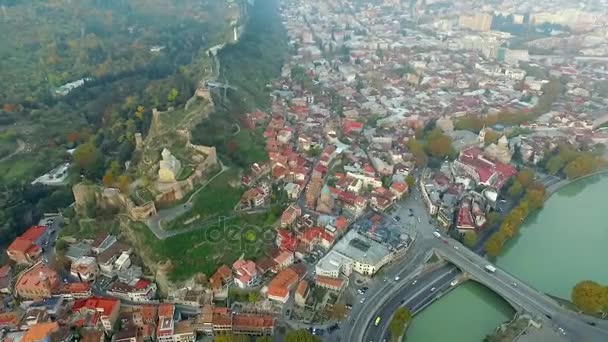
(563, 243)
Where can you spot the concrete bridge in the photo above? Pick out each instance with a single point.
(523, 297)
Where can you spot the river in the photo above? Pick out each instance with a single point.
(558, 246)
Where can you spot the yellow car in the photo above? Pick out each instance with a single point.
(378, 319)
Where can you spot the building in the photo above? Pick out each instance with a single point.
(476, 22)
(250, 324)
(40, 332)
(74, 291)
(281, 284)
(142, 291)
(334, 284)
(184, 332)
(37, 282)
(283, 260)
(246, 273)
(290, 214)
(169, 167)
(97, 312)
(354, 252)
(302, 292)
(221, 278)
(26, 248)
(6, 275)
(85, 269)
(166, 325)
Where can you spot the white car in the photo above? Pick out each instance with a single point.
(454, 282)
(456, 247)
(396, 278)
(362, 300)
(433, 289)
(414, 282)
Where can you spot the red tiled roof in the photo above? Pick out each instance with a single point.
(33, 233)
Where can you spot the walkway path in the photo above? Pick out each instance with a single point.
(19, 149)
(154, 222)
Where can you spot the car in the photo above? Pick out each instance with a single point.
(561, 330)
(362, 300)
(377, 321)
(348, 306)
(333, 328)
(397, 278)
(454, 282)
(397, 218)
(419, 220)
(456, 247)
(433, 289)
(414, 282)
(514, 284)
(548, 316)
(591, 323)
(402, 301)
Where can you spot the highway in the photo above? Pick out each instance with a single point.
(522, 296)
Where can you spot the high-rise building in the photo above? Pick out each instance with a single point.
(476, 22)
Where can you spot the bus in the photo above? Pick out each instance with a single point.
(378, 319)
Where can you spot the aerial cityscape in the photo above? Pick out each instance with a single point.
(303, 170)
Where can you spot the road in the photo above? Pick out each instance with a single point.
(413, 296)
(154, 222)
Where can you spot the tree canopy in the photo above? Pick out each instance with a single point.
(301, 336)
(590, 297)
(399, 322)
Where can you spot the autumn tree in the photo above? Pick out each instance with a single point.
(411, 181)
(399, 322)
(264, 339)
(89, 160)
(590, 297)
(491, 137)
(338, 311)
(417, 149)
(515, 190)
(525, 177)
(301, 336)
(494, 245)
(470, 239)
(535, 198)
(580, 166)
(438, 144)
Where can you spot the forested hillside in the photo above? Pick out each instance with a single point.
(135, 55)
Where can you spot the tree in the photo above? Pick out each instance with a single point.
(494, 245)
(493, 218)
(123, 183)
(338, 311)
(470, 239)
(301, 336)
(535, 198)
(411, 181)
(252, 297)
(89, 159)
(554, 165)
(172, 96)
(438, 144)
(399, 322)
(491, 137)
(231, 338)
(417, 149)
(264, 339)
(515, 190)
(525, 177)
(508, 229)
(581, 166)
(590, 297)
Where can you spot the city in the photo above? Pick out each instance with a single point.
(321, 170)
